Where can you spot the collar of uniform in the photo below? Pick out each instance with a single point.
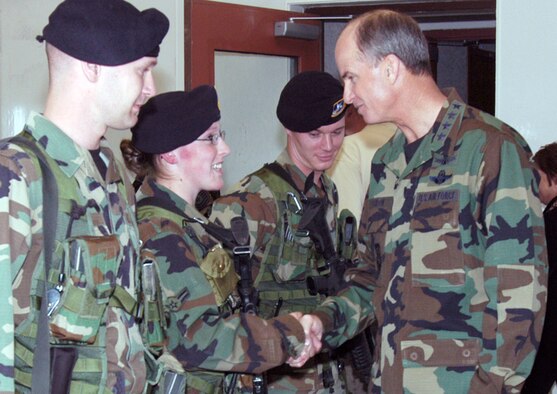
(300, 178)
(56, 143)
(113, 173)
(449, 118)
(64, 150)
(552, 206)
(150, 188)
(390, 154)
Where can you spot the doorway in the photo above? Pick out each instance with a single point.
(234, 48)
(466, 61)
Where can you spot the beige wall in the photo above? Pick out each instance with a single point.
(526, 68)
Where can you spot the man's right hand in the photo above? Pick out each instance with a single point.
(313, 328)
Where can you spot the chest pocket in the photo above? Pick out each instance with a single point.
(293, 251)
(376, 215)
(219, 271)
(90, 266)
(437, 259)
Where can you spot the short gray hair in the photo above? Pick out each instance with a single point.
(383, 32)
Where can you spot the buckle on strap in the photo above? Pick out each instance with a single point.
(291, 196)
(120, 298)
(241, 250)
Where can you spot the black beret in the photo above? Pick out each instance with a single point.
(105, 32)
(310, 100)
(170, 120)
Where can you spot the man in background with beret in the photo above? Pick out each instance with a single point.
(100, 55)
(274, 199)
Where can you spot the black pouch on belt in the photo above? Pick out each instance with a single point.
(62, 362)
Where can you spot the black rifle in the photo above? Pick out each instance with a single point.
(314, 222)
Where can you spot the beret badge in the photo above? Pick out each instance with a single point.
(338, 108)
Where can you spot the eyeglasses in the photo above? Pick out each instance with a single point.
(214, 138)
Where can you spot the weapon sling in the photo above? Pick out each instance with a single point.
(41, 359)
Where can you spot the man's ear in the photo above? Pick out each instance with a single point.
(392, 67)
(91, 71)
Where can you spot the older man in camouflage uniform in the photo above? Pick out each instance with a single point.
(311, 109)
(451, 231)
(101, 55)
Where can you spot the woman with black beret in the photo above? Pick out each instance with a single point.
(193, 334)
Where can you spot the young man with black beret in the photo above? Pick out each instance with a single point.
(100, 55)
(274, 199)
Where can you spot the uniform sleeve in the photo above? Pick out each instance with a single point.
(350, 311)
(515, 269)
(201, 336)
(15, 222)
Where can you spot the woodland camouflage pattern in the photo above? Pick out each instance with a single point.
(283, 275)
(202, 336)
(108, 339)
(454, 249)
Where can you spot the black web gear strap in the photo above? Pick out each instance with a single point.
(237, 235)
(40, 380)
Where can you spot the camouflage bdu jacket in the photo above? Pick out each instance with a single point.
(102, 225)
(201, 337)
(283, 259)
(455, 249)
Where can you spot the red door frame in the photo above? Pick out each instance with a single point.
(211, 26)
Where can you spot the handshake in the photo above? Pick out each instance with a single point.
(313, 329)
